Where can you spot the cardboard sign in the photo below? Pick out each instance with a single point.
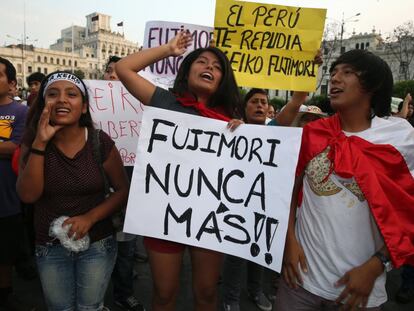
(270, 46)
(197, 183)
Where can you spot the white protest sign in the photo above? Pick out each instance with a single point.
(118, 113)
(197, 183)
(163, 72)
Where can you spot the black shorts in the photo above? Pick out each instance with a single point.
(11, 237)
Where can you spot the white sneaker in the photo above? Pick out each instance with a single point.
(231, 307)
(261, 302)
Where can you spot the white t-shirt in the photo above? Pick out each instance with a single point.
(336, 230)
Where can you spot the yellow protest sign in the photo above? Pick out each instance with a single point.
(270, 46)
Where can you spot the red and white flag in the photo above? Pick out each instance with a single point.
(381, 159)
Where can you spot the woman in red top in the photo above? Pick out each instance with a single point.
(204, 85)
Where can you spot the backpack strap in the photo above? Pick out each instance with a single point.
(97, 154)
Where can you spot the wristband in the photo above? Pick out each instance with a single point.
(386, 262)
(37, 151)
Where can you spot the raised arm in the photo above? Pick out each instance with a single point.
(404, 110)
(128, 67)
(289, 113)
(30, 181)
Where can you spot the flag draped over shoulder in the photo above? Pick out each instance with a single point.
(383, 166)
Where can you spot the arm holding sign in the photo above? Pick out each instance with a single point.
(288, 114)
(128, 67)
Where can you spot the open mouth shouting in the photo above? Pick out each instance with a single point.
(207, 76)
(335, 91)
(62, 111)
(259, 113)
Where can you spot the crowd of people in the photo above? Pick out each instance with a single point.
(351, 210)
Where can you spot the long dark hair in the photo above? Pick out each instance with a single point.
(39, 104)
(227, 94)
(375, 77)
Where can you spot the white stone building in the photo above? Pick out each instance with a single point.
(372, 42)
(92, 46)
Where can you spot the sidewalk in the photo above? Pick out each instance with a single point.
(30, 291)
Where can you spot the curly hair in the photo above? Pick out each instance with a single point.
(375, 77)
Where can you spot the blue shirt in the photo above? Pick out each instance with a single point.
(12, 122)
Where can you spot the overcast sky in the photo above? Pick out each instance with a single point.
(45, 18)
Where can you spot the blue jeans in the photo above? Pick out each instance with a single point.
(123, 274)
(232, 274)
(76, 281)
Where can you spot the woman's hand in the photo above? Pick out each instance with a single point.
(234, 124)
(80, 226)
(45, 131)
(179, 44)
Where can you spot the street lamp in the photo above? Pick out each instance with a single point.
(343, 21)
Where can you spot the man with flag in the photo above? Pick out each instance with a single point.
(355, 188)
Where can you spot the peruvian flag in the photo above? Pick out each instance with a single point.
(381, 159)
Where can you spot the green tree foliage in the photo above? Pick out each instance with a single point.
(277, 102)
(317, 100)
(401, 46)
(321, 101)
(242, 92)
(401, 88)
(79, 73)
